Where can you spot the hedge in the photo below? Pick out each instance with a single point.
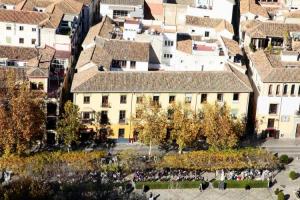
(168, 184)
(212, 160)
(56, 162)
(242, 183)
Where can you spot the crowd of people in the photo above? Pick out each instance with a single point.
(166, 175)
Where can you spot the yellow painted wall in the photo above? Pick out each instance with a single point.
(130, 107)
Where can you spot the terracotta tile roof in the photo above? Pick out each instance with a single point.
(23, 17)
(221, 81)
(217, 24)
(102, 29)
(249, 6)
(123, 2)
(256, 29)
(30, 55)
(184, 44)
(65, 6)
(102, 54)
(11, 2)
(232, 46)
(17, 53)
(271, 69)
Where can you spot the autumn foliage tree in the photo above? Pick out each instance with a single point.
(22, 116)
(221, 130)
(151, 123)
(184, 124)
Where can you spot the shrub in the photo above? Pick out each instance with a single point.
(280, 196)
(57, 162)
(216, 160)
(243, 184)
(293, 175)
(284, 159)
(277, 191)
(168, 185)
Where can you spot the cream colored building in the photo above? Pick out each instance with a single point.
(117, 94)
(277, 93)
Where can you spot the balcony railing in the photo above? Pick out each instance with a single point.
(105, 105)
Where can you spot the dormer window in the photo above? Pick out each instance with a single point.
(277, 89)
(270, 90)
(285, 89)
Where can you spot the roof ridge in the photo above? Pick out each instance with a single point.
(240, 79)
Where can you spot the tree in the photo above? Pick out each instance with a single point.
(22, 116)
(151, 123)
(28, 117)
(69, 124)
(185, 125)
(221, 130)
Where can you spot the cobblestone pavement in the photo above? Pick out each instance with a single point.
(285, 183)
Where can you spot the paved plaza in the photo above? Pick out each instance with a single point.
(214, 194)
(283, 183)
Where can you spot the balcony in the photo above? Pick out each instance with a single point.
(87, 121)
(122, 121)
(105, 105)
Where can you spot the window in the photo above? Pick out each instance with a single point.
(273, 109)
(220, 97)
(21, 40)
(270, 90)
(234, 113)
(123, 63)
(122, 116)
(105, 101)
(236, 96)
(285, 89)
(293, 90)
(188, 98)
(132, 64)
(206, 34)
(271, 123)
(299, 90)
(33, 29)
(8, 40)
(120, 13)
(170, 113)
(156, 98)
(138, 113)
(139, 100)
(33, 41)
(121, 133)
(168, 56)
(86, 99)
(123, 99)
(86, 115)
(8, 27)
(169, 43)
(277, 89)
(171, 99)
(21, 28)
(203, 98)
(103, 117)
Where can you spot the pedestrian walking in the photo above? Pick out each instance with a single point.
(201, 187)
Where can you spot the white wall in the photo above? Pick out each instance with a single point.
(14, 34)
(221, 9)
(140, 66)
